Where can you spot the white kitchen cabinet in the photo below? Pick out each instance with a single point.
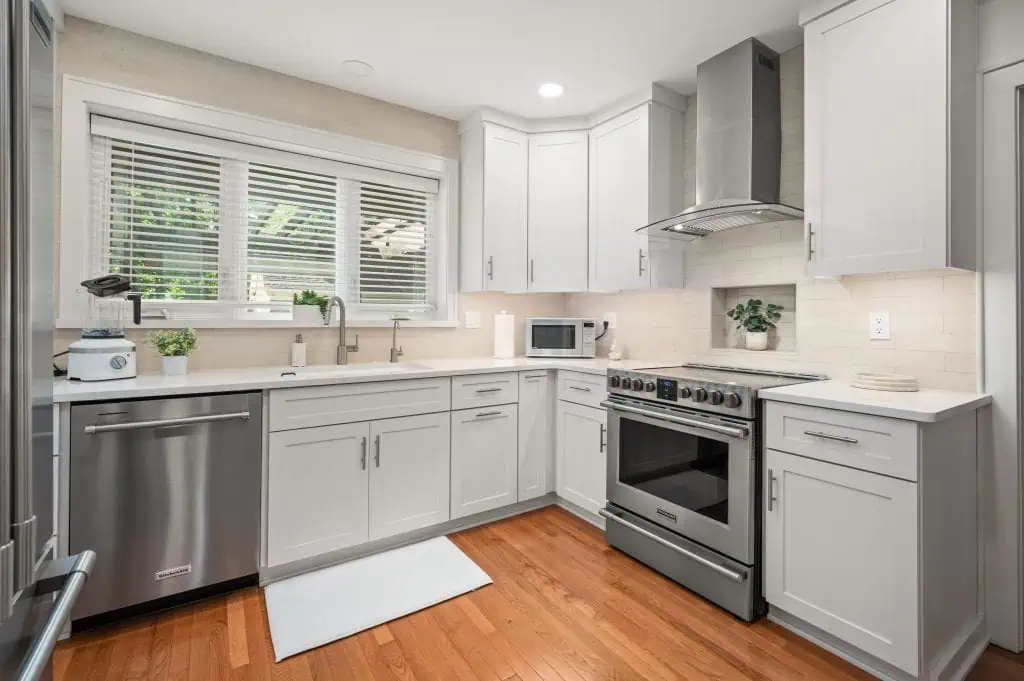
(484, 459)
(317, 499)
(409, 473)
(890, 136)
(635, 179)
(536, 434)
(842, 554)
(493, 235)
(557, 216)
(581, 456)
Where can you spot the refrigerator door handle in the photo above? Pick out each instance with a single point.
(6, 282)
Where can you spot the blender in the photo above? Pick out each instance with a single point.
(104, 353)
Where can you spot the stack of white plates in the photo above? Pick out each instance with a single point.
(891, 382)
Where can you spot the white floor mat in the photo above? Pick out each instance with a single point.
(323, 606)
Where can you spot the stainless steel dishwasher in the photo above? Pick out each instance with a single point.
(168, 492)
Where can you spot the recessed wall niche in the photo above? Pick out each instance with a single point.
(725, 335)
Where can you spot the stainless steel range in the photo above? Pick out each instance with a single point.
(684, 476)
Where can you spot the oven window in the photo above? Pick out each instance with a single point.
(554, 337)
(683, 469)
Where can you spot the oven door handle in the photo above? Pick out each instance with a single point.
(731, 575)
(734, 431)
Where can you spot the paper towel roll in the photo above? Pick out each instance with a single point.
(504, 336)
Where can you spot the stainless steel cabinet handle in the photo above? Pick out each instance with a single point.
(826, 436)
(376, 451)
(641, 263)
(531, 270)
(582, 390)
(713, 427)
(731, 575)
(488, 390)
(38, 658)
(810, 240)
(184, 421)
(362, 462)
(490, 267)
(604, 441)
(487, 415)
(534, 377)
(771, 489)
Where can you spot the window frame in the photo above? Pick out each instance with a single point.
(82, 98)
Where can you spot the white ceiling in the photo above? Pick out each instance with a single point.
(451, 56)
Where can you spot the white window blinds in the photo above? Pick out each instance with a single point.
(193, 219)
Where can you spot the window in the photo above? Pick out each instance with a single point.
(210, 228)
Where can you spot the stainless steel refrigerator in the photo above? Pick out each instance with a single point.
(36, 591)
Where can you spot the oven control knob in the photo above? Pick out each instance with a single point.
(732, 400)
(649, 386)
(716, 397)
(638, 384)
(685, 392)
(614, 381)
(700, 395)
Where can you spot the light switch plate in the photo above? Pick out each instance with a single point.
(879, 326)
(611, 318)
(472, 319)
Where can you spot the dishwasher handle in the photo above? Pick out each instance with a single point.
(164, 423)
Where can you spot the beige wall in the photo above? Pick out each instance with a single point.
(933, 317)
(110, 55)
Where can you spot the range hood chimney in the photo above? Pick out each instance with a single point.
(739, 146)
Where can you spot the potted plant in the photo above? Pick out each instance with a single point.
(310, 308)
(756, 321)
(175, 345)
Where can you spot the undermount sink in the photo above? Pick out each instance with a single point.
(355, 369)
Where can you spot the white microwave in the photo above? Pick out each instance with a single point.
(551, 337)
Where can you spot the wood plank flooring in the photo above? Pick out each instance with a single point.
(564, 606)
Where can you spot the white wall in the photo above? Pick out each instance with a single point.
(934, 323)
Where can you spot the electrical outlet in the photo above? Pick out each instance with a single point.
(879, 327)
(472, 319)
(611, 318)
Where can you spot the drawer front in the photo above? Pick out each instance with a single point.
(586, 389)
(868, 443)
(326, 405)
(484, 390)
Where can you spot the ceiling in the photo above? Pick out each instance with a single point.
(449, 57)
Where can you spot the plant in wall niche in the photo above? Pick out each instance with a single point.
(304, 301)
(175, 345)
(756, 320)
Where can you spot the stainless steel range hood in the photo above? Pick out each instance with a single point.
(739, 146)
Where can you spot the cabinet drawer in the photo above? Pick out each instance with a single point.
(326, 405)
(482, 390)
(586, 389)
(869, 443)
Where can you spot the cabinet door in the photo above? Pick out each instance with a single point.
(557, 223)
(317, 491)
(582, 458)
(536, 433)
(409, 473)
(876, 122)
(841, 554)
(483, 459)
(620, 201)
(505, 177)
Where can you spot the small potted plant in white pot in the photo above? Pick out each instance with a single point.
(756, 321)
(310, 308)
(175, 345)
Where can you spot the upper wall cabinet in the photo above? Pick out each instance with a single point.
(635, 179)
(890, 127)
(557, 223)
(492, 239)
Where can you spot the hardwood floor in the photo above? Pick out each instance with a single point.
(564, 606)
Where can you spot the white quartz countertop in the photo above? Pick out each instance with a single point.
(260, 378)
(924, 405)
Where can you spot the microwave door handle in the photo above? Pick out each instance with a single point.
(732, 431)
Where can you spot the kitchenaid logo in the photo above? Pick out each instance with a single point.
(173, 572)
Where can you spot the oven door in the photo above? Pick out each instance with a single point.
(555, 338)
(689, 472)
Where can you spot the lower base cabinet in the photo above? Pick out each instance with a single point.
(318, 492)
(536, 434)
(581, 455)
(841, 549)
(484, 459)
(409, 475)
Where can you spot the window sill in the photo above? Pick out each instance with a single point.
(270, 324)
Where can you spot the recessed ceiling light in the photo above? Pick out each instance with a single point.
(551, 90)
(358, 68)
